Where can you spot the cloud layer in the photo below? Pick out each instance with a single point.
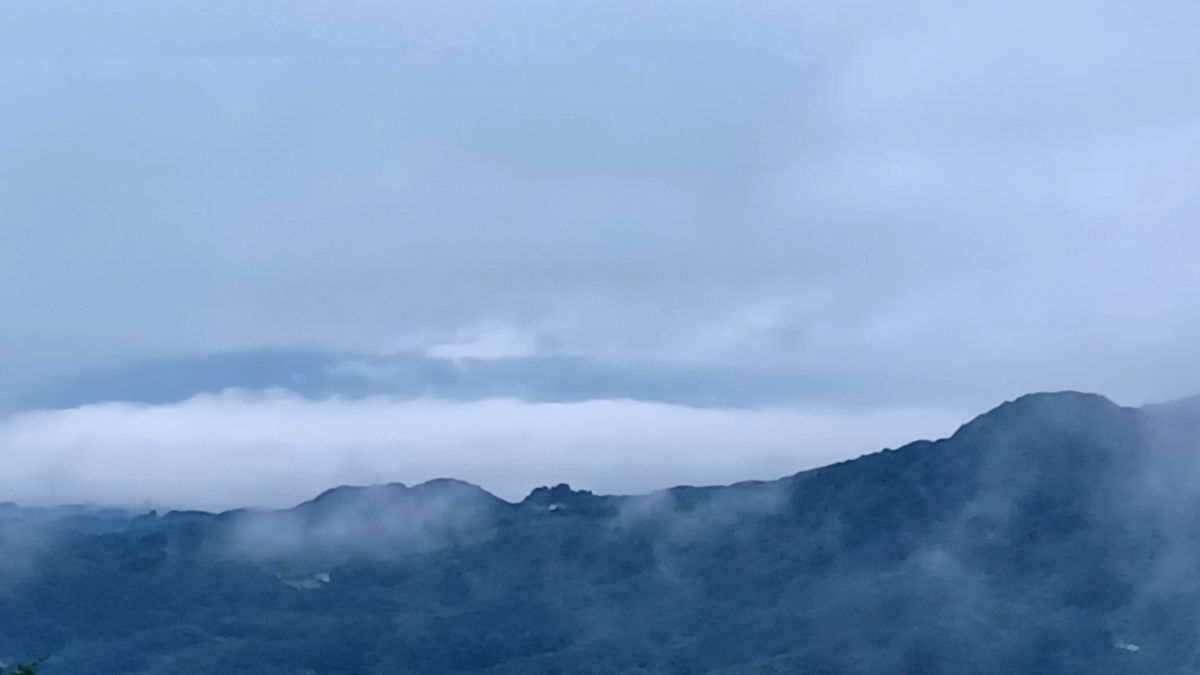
(275, 449)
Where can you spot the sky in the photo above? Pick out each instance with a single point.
(250, 250)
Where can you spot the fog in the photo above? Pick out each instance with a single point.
(379, 522)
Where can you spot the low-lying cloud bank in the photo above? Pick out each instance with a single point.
(240, 448)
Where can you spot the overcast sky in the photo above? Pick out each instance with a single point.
(251, 248)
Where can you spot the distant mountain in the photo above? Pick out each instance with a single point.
(1058, 533)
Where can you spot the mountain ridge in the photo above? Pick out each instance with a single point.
(1056, 533)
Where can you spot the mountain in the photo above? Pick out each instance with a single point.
(1057, 533)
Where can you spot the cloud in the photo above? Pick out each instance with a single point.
(243, 448)
(977, 201)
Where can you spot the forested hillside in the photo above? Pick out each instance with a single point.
(1059, 533)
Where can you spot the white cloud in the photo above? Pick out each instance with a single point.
(274, 449)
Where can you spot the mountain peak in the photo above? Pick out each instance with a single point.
(348, 491)
(397, 493)
(562, 491)
(1059, 400)
(447, 484)
(1053, 409)
(562, 497)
